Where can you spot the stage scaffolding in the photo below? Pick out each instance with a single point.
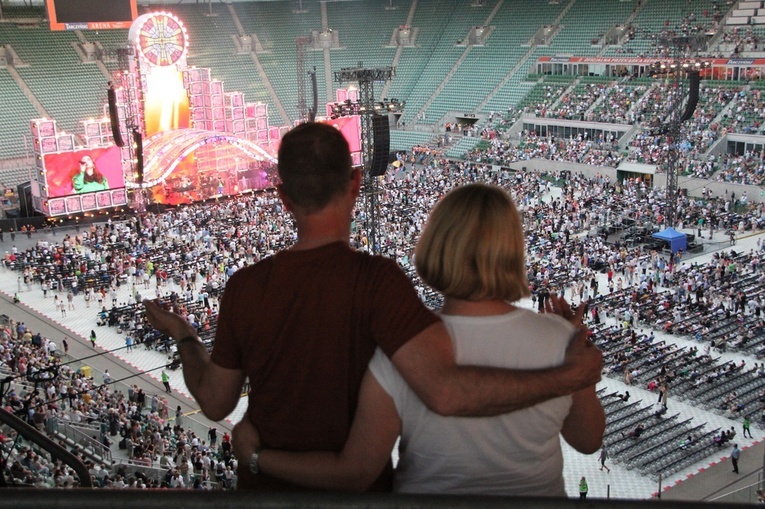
(366, 77)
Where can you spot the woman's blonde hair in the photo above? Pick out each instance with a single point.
(472, 247)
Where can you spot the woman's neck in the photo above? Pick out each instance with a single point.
(462, 307)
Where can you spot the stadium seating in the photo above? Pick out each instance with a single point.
(580, 28)
(405, 140)
(491, 78)
(16, 112)
(486, 67)
(68, 89)
(277, 27)
(367, 38)
(652, 18)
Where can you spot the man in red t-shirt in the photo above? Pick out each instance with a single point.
(303, 324)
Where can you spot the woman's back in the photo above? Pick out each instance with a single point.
(513, 454)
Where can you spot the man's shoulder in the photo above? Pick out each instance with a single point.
(252, 270)
(335, 262)
(337, 251)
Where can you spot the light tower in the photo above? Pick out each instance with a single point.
(683, 73)
(366, 78)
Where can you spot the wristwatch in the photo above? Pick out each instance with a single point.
(254, 461)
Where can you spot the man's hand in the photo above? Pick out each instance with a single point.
(166, 322)
(245, 439)
(584, 359)
(559, 306)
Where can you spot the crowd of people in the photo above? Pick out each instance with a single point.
(722, 108)
(49, 394)
(739, 39)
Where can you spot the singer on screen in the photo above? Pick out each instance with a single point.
(88, 178)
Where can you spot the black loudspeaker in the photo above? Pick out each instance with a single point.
(26, 209)
(381, 149)
(116, 134)
(138, 155)
(693, 95)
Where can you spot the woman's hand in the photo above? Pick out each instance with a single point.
(559, 306)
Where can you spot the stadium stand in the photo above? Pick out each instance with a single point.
(277, 27)
(54, 66)
(15, 124)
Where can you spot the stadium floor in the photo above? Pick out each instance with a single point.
(702, 480)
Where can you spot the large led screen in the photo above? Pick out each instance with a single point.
(91, 14)
(83, 171)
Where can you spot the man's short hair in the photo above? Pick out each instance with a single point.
(314, 165)
(472, 246)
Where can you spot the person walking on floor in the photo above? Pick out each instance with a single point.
(734, 455)
(178, 417)
(663, 394)
(603, 457)
(93, 338)
(746, 426)
(583, 489)
(166, 382)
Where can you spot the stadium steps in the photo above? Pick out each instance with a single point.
(400, 49)
(277, 27)
(570, 90)
(463, 145)
(404, 140)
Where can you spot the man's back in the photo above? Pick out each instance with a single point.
(303, 325)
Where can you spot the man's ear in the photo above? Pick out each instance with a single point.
(284, 198)
(356, 181)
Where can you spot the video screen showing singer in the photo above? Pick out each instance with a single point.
(88, 178)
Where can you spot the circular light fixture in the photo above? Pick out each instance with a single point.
(162, 39)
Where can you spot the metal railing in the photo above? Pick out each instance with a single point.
(746, 495)
(201, 499)
(56, 451)
(189, 422)
(131, 468)
(81, 437)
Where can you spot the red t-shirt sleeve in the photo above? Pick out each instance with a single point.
(399, 314)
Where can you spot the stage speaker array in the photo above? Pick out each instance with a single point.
(693, 95)
(112, 98)
(381, 138)
(26, 209)
(138, 155)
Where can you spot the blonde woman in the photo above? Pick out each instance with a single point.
(472, 251)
